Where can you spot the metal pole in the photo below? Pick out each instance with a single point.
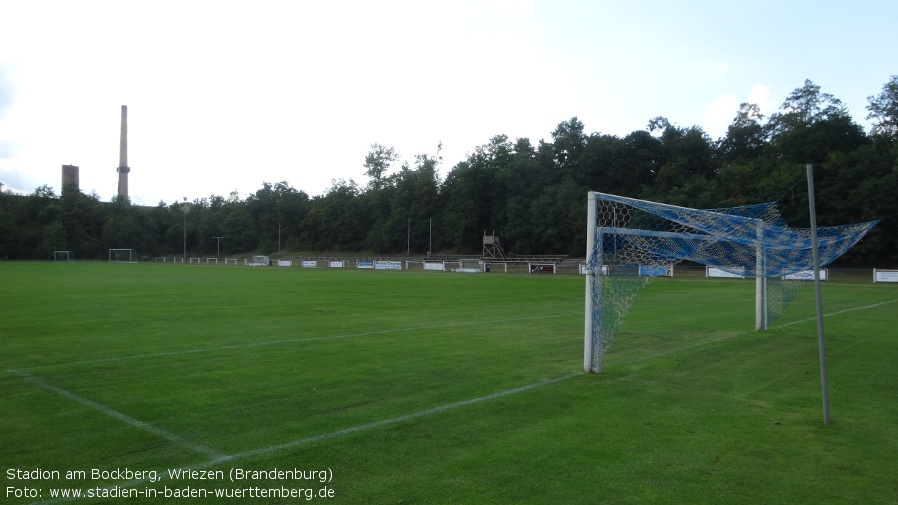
(184, 258)
(591, 278)
(821, 344)
(218, 249)
(408, 237)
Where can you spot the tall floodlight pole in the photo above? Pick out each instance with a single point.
(821, 344)
(430, 243)
(218, 249)
(184, 258)
(408, 237)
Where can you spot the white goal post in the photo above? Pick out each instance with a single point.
(63, 256)
(123, 256)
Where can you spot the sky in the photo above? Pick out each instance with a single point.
(223, 96)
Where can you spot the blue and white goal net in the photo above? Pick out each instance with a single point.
(627, 237)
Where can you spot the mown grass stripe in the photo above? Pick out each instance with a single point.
(288, 341)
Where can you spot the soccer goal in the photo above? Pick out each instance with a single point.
(258, 261)
(123, 256)
(628, 237)
(470, 265)
(63, 256)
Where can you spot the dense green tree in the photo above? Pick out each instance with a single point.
(128, 227)
(54, 238)
(568, 144)
(377, 163)
(278, 211)
(10, 235)
(336, 221)
(240, 229)
(813, 125)
(746, 136)
(884, 110)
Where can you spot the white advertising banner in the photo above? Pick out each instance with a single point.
(435, 265)
(388, 265)
(335, 264)
(285, 263)
(584, 269)
(309, 264)
(885, 275)
(725, 274)
(807, 275)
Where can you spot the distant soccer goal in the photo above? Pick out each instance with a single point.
(63, 256)
(470, 266)
(123, 256)
(258, 261)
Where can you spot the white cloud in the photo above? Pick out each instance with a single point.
(719, 115)
(760, 95)
(508, 7)
(723, 109)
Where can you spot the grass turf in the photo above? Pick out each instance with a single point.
(390, 380)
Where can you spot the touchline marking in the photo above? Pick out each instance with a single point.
(287, 341)
(225, 458)
(837, 313)
(118, 415)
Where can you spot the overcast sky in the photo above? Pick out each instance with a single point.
(223, 95)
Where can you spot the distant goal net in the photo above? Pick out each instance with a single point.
(123, 256)
(471, 265)
(258, 261)
(63, 256)
(630, 241)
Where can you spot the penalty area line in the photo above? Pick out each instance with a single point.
(837, 313)
(137, 423)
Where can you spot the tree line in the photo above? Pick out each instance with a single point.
(532, 196)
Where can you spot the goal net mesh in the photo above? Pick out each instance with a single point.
(753, 241)
(122, 256)
(64, 256)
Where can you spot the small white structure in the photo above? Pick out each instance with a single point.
(122, 256)
(470, 266)
(880, 275)
(64, 256)
(258, 261)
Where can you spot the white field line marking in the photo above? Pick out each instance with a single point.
(377, 424)
(186, 444)
(224, 458)
(288, 341)
(837, 313)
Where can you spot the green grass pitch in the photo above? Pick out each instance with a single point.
(421, 387)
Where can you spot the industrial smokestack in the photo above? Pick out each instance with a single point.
(70, 178)
(123, 156)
